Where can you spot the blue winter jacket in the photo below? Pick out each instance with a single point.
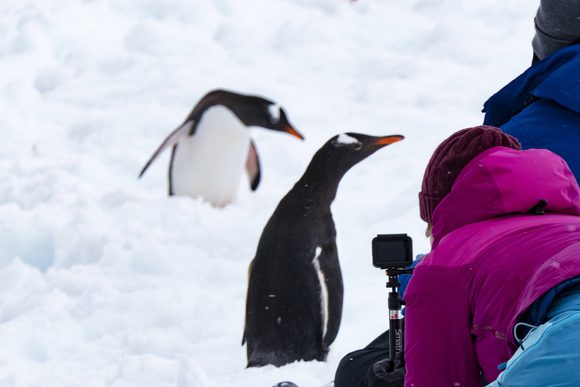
(541, 107)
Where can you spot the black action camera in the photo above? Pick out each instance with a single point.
(392, 251)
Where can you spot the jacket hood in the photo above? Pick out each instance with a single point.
(503, 181)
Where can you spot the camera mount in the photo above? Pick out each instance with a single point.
(396, 327)
(394, 254)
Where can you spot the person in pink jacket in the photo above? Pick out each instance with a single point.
(501, 280)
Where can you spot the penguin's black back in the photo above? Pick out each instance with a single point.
(283, 311)
(250, 109)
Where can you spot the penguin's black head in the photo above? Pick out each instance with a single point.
(257, 111)
(347, 149)
(253, 110)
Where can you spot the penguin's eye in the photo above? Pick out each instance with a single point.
(357, 146)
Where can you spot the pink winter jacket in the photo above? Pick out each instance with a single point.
(490, 261)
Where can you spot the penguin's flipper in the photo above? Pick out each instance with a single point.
(253, 166)
(330, 268)
(169, 141)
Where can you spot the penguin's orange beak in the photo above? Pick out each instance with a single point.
(388, 140)
(289, 129)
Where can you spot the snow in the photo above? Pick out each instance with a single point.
(104, 280)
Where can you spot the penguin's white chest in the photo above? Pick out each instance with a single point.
(210, 163)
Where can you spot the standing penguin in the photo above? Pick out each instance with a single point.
(294, 300)
(213, 145)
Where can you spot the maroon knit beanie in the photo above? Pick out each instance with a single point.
(449, 159)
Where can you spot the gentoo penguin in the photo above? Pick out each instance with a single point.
(213, 145)
(294, 300)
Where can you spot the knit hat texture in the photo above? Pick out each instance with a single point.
(449, 159)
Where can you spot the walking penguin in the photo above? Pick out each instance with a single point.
(294, 300)
(213, 145)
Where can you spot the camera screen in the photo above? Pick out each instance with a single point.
(392, 250)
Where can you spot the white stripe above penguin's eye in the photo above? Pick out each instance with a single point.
(274, 110)
(344, 139)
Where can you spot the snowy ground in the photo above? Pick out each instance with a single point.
(104, 281)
